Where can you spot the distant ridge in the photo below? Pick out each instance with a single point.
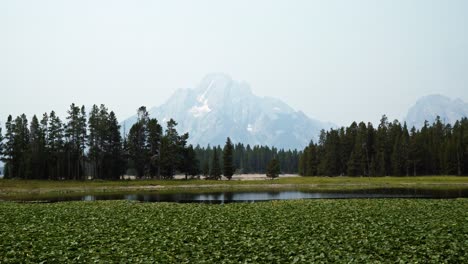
(220, 107)
(431, 106)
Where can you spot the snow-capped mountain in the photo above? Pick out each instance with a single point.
(431, 106)
(220, 107)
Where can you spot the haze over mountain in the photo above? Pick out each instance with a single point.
(220, 107)
(431, 106)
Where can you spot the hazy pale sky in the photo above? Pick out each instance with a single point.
(337, 61)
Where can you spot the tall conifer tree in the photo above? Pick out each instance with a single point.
(215, 172)
(228, 167)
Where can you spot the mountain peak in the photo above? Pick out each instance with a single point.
(220, 107)
(431, 106)
(217, 76)
(433, 98)
(219, 83)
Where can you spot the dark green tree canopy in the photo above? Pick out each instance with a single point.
(93, 147)
(273, 169)
(228, 166)
(215, 172)
(391, 149)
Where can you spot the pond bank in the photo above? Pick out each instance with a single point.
(9, 188)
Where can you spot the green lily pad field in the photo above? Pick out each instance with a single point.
(302, 231)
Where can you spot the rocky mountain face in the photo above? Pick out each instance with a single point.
(220, 107)
(429, 107)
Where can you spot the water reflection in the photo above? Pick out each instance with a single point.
(229, 197)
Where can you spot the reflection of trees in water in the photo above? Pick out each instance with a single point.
(217, 196)
(221, 197)
(228, 196)
(273, 194)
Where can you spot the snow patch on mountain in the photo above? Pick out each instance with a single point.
(199, 111)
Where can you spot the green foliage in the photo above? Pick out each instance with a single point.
(191, 164)
(171, 151)
(152, 153)
(228, 167)
(174, 152)
(137, 148)
(105, 144)
(75, 135)
(360, 150)
(38, 150)
(51, 149)
(247, 159)
(328, 231)
(1, 142)
(215, 172)
(154, 132)
(273, 169)
(17, 147)
(55, 145)
(206, 168)
(137, 143)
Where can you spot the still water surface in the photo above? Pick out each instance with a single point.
(258, 196)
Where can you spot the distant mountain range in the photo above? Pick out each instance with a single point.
(220, 107)
(431, 106)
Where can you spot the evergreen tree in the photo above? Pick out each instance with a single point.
(8, 148)
(353, 165)
(75, 134)
(308, 160)
(457, 141)
(330, 163)
(20, 163)
(1, 142)
(312, 160)
(44, 124)
(154, 132)
(273, 169)
(55, 146)
(104, 142)
(116, 163)
(93, 139)
(396, 158)
(137, 148)
(206, 168)
(404, 150)
(37, 150)
(171, 154)
(137, 143)
(191, 163)
(228, 168)
(450, 162)
(370, 149)
(382, 147)
(183, 155)
(215, 172)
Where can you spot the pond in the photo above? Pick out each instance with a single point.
(258, 196)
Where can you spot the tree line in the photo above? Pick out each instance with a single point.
(91, 146)
(53, 149)
(389, 149)
(249, 160)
